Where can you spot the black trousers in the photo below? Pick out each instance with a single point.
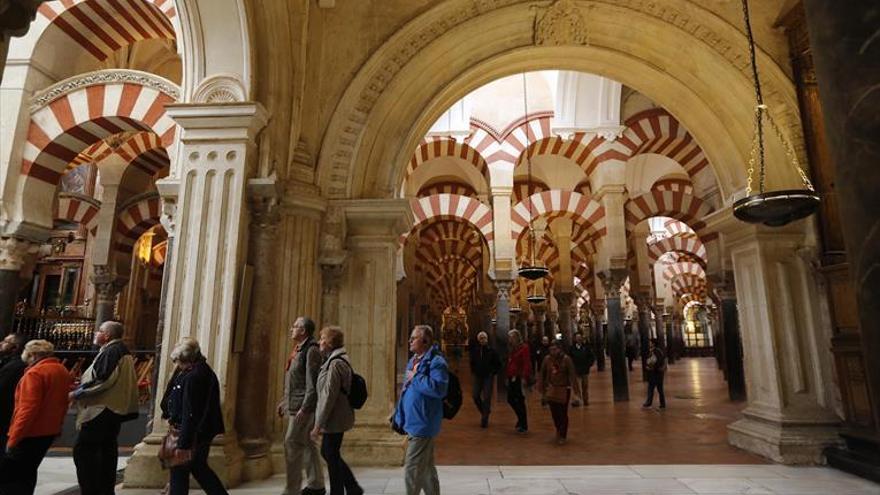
(200, 470)
(655, 381)
(18, 473)
(341, 478)
(95, 454)
(517, 402)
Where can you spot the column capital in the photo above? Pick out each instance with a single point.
(106, 281)
(375, 220)
(234, 122)
(564, 298)
(503, 286)
(612, 280)
(16, 253)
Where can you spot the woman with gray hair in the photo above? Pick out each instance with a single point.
(191, 405)
(40, 407)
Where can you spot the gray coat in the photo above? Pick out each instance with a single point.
(301, 378)
(335, 414)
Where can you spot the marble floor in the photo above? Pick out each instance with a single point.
(699, 479)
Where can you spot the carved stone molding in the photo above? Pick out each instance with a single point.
(110, 76)
(561, 23)
(107, 283)
(15, 253)
(407, 43)
(503, 288)
(220, 88)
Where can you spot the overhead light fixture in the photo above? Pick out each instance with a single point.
(776, 208)
(534, 269)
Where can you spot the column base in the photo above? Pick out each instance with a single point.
(276, 456)
(784, 442)
(145, 471)
(373, 445)
(257, 462)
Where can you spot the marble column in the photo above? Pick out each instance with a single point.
(564, 301)
(252, 403)
(616, 340)
(367, 314)
(659, 329)
(733, 352)
(644, 325)
(502, 327)
(598, 308)
(108, 285)
(215, 150)
(789, 416)
(671, 356)
(846, 52)
(15, 254)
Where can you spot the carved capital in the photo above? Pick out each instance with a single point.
(107, 283)
(562, 23)
(16, 253)
(503, 288)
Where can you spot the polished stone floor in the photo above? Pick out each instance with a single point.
(569, 480)
(691, 430)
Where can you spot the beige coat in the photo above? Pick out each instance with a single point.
(118, 392)
(334, 414)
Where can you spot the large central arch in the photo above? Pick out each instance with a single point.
(458, 46)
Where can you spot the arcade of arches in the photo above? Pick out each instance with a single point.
(216, 168)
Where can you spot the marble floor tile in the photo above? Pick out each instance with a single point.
(705, 471)
(712, 486)
(625, 486)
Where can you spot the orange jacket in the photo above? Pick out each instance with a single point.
(40, 401)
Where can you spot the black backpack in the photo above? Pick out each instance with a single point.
(452, 401)
(357, 393)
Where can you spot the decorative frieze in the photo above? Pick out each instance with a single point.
(561, 23)
(111, 76)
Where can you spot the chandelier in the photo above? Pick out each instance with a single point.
(532, 269)
(775, 208)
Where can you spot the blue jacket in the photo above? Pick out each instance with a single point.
(420, 408)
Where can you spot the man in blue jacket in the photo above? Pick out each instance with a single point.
(420, 410)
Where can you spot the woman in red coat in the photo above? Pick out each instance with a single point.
(40, 406)
(519, 368)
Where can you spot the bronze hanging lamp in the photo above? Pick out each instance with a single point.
(775, 208)
(534, 269)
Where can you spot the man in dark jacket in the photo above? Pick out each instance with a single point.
(656, 366)
(485, 364)
(583, 357)
(11, 370)
(107, 397)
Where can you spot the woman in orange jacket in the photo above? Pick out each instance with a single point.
(40, 406)
(519, 369)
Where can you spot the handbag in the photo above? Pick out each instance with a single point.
(168, 452)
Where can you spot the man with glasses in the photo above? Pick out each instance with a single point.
(299, 402)
(106, 397)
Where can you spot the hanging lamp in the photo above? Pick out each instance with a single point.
(533, 270)
(775, 208)
(534, 296)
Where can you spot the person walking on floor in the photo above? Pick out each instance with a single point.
(557, 378)
(11, 370)
(583, 358)
(656, 366)
(40, 408)
(334, 415)
(485, 364)
(191, 404)
(299, 402)
(106, 397)
(518, 371)
(419, 411)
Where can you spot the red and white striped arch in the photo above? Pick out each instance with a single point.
(64, 127)
(556, 203)
(102, 27)
(135, 219)
(143, 150)
(684, 268)
(454, 206)
(447, 187)
(675, 204)
(683, 242)
(432, 148)
(522, 189)
(656, 131)
(506, 146)
(672, 184)
(77, 208)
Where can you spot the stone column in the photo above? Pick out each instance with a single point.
(612, 282)
(564, 301)
(644, 325)
(788, 417)
(540, 312)
(15, 254)
(107, 287)
(214, 154)
(502, 327)
(844, 46)
(367, 312)
(658, 324)
(252, 403)
(598, 308)
(670, 337)
(733, 352)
